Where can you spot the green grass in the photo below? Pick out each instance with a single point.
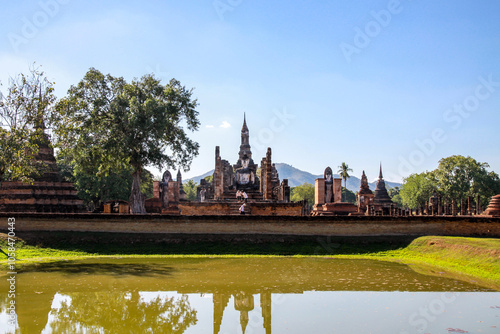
(471, 259)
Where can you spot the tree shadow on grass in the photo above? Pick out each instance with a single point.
(113, 269)
(146, 244)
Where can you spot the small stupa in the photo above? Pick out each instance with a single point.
(494, 207)
(48, 192)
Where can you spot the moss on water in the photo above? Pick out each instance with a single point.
(472, 259)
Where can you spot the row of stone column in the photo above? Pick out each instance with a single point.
(392, 211)
(437, 206)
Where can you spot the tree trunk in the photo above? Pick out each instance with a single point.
(345, 190)
(136, 197)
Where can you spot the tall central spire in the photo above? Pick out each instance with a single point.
(245, 140)
(245, 134)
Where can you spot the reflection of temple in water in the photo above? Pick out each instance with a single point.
(244, 303)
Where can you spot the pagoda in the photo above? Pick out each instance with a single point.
(494, 207)
(365, 195)
(48, 192)
(242, 176)
(245, 170)
(382, 202)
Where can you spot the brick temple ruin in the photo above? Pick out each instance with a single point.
(266, 194)
(328, 196)
(48, 192)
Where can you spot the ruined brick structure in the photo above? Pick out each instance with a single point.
(48, 193)
(382, 203)
(365, 195)
(227, 179)
(266, 195)
(328, 197)
(494, 207)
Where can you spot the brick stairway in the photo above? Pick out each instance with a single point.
(235, 208)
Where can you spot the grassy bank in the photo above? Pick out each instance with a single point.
(471, 259)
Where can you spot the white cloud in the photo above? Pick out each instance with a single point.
(225, 125)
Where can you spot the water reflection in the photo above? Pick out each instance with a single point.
(119, 312)
(244, 303)
(229, 295)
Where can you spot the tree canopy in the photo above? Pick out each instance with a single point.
(95, 189)
(456, 177)
(104, 123)
(304, 191)
(459, 177)
(24, 111)
(190, 189)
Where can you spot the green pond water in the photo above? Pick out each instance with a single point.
(250, 295)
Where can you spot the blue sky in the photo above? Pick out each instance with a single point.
(403, 82)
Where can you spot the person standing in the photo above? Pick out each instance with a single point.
(242, 209)
(245, 196)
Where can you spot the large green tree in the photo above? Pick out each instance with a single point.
(344, 174)
(105, 122)
(24, 110)
(417, 189)
(459, 177)
(95, 188)
(456, 177)
(394, 193)
(303, 192)
(349, 196)
(190, 189)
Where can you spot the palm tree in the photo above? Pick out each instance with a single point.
(344, 173)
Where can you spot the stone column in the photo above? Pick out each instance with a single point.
(470, 211)
(319, 191)
(337, 190)
(156, 189)
(478, 205)
(463, 211)
(446, 207)
(440, 207)
(454, 208)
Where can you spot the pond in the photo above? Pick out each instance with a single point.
(249, 295)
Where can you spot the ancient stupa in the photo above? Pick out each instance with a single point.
(494, 207)
(48, 192)
(381, 200)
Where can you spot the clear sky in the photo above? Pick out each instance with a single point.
(404, 82)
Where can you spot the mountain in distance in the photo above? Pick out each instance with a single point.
(296, 177)
(197, 179)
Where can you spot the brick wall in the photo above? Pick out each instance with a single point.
(204, 209)
(258, 225)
